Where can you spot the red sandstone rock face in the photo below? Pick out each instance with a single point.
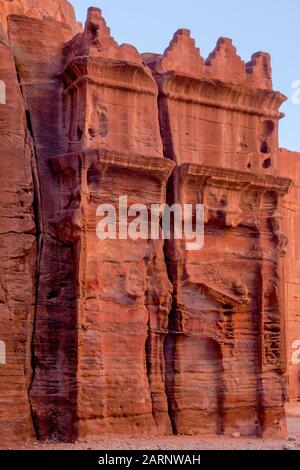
(17, 256)
(138, 337)
(55, 326)
(289, 164)
(67, 361)
(227, 313)
(60, 10)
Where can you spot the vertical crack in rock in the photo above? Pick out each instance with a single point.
(38, 48)
(37, 206)
(158, 302)
(169, 352)
(37, 210)
(169, 342)
(39, 62)
(18, 256)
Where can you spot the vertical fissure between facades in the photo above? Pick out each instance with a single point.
(39, 233)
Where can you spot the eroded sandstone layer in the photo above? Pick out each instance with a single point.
(140, 337)
(60, 10)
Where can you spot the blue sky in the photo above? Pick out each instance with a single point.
(267, 25)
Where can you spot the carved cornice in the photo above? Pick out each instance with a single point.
(158, 167)
(229, 192)
(116, 74)
(222, 95)
(239, 180)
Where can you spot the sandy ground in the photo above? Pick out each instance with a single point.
(183, 442)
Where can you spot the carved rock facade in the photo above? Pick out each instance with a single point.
(138, 337)
(290, 167)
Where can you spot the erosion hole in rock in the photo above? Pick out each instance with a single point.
(93, 31)
(92, 133)
(79, 133)
(268, 128)
(227, 307)
(264, 147)
(93, 176)
(267, 163)
(52, 295)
